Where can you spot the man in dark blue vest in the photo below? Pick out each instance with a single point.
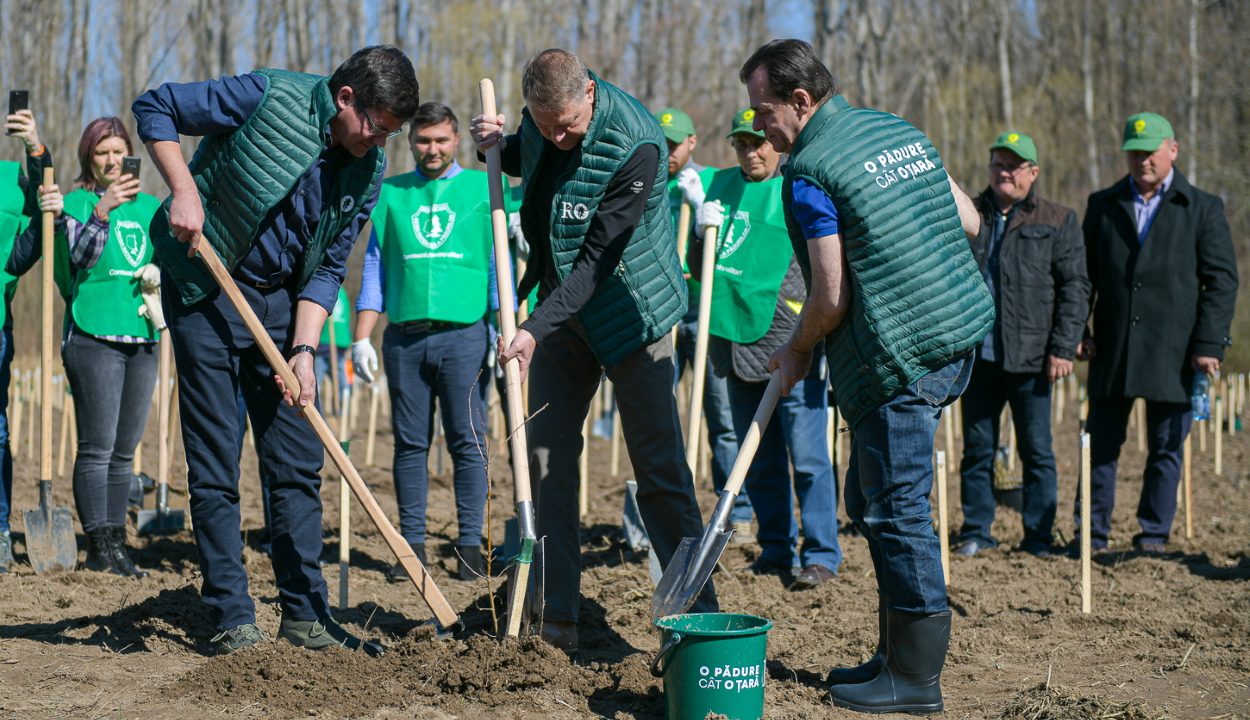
(881, 233)
(284, 180)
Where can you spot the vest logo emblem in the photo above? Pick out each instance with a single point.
(727, 245)
(577, 212)
(432, 224)
(347, 204)
(132, 240)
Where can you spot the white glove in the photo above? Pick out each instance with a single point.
(515, 233)
(691, 188)
(709, 214)
(149, 276)
(365, 359)
(151, 309)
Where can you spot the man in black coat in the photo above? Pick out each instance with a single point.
(1032, 256)
(1164, 276)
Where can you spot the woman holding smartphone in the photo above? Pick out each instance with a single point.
(111, 330)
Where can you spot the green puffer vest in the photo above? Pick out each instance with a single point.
(646, 295)
(242, 175)
(917, 299)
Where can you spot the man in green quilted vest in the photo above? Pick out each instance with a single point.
(610, 289)
(881, 233)
(282, 183)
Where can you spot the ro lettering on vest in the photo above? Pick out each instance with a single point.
(912, 160)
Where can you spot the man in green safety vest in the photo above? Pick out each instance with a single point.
(688, 182)
(428, 267)
(757, 293)
(895, 296)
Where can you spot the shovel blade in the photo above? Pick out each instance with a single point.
(156, 522)
(50, 541)
(687, 573)
(523, 617)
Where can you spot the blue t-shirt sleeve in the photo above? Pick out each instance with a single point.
(813, 210)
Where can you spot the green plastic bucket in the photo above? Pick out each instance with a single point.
(712, 662)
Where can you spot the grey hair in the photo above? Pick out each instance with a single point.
(553, 79)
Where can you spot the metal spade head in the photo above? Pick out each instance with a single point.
(158, 521)
(688, 572)
(50, 541)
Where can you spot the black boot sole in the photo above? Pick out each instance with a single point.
(875, 710)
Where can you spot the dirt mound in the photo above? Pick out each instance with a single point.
(1055, 703)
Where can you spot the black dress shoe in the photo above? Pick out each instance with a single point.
(812, 576)
(911, 681)
(970, 547)
(1037, 549)
(1150, 547)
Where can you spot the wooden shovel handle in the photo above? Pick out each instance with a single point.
(751, 443)
(700, 347)
(421, 579)
(45, 379)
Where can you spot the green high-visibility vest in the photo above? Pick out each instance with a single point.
(435, 237)
(752, 256)
(12, 223)
(674, 204)
(342, 328)
(106, 297)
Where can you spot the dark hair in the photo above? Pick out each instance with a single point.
(553, 79)
(434, 113)
(97, 131)
(791, 65)
(382, 77)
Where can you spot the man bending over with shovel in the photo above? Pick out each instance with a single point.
(610, 289)
(287, 173)
(894, 294)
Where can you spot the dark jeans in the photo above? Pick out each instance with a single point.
(721, 437)
(1029, 395)
(6, 453)
(449, 366)
(796, 434)
(564, 377)
(888, 483)
(112, 384)
(217, 359)
(1167, 424)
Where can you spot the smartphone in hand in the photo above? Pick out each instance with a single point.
(18, 100)
(130, 166)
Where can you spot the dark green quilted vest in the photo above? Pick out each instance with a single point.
(646, 295)
(917, 299)
(243, 174)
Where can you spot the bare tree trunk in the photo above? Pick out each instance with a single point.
(1004, 59)
(1191, 167)
(1087, 80)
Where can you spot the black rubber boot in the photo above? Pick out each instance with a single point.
(99, 552)
(872, 668)
(472, 564)
(398, 573)
(912, 679)
(121, 559)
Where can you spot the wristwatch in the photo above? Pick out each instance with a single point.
(302, 348)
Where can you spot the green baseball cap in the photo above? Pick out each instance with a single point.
(742, 123)
(677, 125)
(1146, 131)
(1018, 143)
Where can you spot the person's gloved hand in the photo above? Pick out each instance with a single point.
(149, 276)
(151, 309)
(365, 359)
(710, 214)
(691, 188)
(518, 236)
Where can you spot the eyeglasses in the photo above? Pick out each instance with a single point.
(374, 130)
(1013, 169)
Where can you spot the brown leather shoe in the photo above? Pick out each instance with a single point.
(812, 576)
(560, 635)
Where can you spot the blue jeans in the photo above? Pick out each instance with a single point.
(798, 426)
(217, 359)
(716, 408)
(6, 453)
(1029, 395)
(888, 483)
(449, 366)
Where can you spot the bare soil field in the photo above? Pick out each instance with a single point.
(1169, 636)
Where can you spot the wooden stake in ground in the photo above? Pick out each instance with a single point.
(1139, 407)
(700, 348)
(1189, 490)
(943, 533)
(948, 430)
(375, 400)
(1086, 551)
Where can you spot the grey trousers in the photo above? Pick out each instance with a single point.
(563, 379)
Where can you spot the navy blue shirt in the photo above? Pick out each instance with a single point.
(992, 346)
(220, 106)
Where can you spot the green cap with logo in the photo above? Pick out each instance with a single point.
(1018, 143)
(677, 125)
(742, 123)
(1146, 131)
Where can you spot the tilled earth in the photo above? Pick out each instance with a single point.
(1169, 636)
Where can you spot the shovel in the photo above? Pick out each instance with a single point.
(50, 540)
(696, 558)
(524, 594)
(162, 519)
(429, 592)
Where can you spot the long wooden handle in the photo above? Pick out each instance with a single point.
(751, 442)
(700, 347)
(45, 380)
(162, 410)
(421, 579)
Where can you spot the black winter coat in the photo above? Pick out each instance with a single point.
(1157, 303)
(1043, 287)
